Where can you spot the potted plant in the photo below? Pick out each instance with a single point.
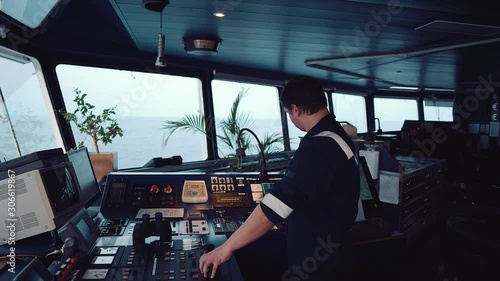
(229, 127)
(100, 127)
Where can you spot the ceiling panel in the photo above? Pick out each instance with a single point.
(281, 35)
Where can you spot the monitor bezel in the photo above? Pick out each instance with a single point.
(91, 199)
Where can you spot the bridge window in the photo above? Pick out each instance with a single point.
(258, 110)
(438, 110)
(25, 123)
(294, 134)
(350, 108)
(392, 112)
(31, 13)
(144, 102)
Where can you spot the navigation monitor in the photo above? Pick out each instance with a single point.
(368, 192)
(61, 187)
(82, 228)
(267, 187)
(47, 193)
(89, 188)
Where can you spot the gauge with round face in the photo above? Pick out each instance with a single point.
(95, 274)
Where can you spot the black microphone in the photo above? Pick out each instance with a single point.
(379, 130)
(240, 153)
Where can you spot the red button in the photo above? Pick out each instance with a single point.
(154, 189)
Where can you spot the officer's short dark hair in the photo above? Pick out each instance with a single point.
(305, 92)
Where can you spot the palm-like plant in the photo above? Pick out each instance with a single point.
(230, 126)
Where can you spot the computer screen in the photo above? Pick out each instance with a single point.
(89, 188)
(267, 187)
(61, 187)
(82, 228)
(368, 192)
(365, 192)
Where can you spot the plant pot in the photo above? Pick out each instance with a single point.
(103, 163)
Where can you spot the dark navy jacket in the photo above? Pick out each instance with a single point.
(318, 197)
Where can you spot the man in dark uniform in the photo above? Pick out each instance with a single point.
(317, 197)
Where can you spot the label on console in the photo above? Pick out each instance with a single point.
(166, 212)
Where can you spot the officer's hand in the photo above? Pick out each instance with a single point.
(213, 260)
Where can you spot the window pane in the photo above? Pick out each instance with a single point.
(258, 110)
(29, 127)
(393, 112)
(144, 102)
(438, 110)
(294, 133)
(350, 108)
(28, 12)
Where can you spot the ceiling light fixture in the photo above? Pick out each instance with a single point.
(158, 6)
(404, 88)
(220, 14)
(439, 90)
(201, 46)
(155, 5)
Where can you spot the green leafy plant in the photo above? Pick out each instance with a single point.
(100, 127)
(229, 128)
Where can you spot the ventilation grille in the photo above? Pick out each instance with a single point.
(25, 221)
(20, 189)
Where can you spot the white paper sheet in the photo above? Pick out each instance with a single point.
(389, 187)
(372, 159)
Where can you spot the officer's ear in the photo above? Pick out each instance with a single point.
(293, 109)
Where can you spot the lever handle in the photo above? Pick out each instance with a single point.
(163, 228)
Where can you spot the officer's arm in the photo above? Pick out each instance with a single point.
(255, 226)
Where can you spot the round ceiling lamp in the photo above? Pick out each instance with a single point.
(201, 46)
(155, 5)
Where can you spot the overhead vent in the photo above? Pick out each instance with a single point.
(459, 28)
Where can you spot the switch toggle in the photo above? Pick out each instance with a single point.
(154, 189)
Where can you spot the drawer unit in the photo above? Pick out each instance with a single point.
(420, 183)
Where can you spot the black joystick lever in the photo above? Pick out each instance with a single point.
(206, 249)
(163, 228)
(148, 227)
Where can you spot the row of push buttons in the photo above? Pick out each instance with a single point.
(221, 180)
(67, 269)
(222, 187)
(170, 274)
